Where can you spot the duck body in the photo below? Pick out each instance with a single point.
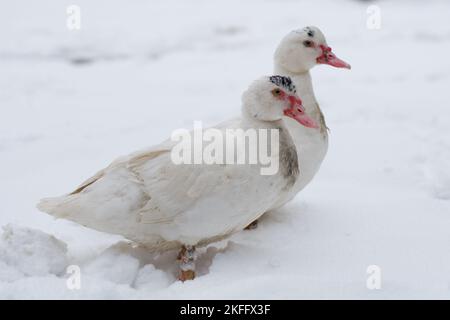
(148, 198)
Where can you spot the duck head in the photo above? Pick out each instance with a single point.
(302, 49)
(273, 97)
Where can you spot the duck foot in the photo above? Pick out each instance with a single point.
(186, 258)
(186, 275)
(252, 225)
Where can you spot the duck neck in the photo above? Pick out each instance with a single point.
(251, 120)
(303, 82)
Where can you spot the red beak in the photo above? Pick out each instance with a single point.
(296, 111)
(328, 57)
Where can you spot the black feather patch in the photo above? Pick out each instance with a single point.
(284, 82)
(309, 32)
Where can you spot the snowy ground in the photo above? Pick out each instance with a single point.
(73, 101)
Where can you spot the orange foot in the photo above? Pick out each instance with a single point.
(186, 275)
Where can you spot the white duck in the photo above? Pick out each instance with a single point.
(298, 52)
(149, 199)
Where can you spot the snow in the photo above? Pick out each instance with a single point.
(29, 252)
(72, 101)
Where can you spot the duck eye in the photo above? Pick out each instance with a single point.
(308, 43)
(276, 92)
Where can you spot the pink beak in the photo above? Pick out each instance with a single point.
(296, 111)
(328, 57)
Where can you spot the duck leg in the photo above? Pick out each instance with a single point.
(186, 258)
(252, 225)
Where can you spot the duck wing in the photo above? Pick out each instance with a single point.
(173, 189)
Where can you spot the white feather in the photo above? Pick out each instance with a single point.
(147, 198)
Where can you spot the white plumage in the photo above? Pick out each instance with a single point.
(297, 53)
(148, 199)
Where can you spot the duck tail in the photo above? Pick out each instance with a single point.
(52, 206)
